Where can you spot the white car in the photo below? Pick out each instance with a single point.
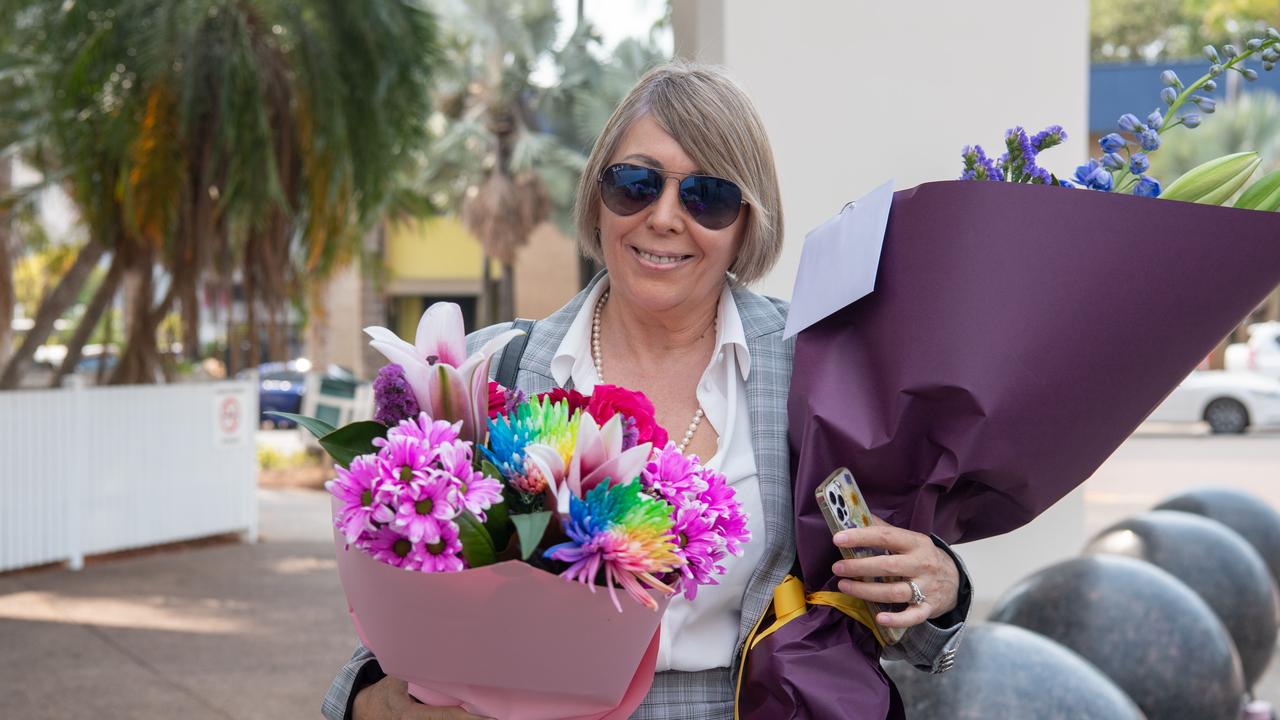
(1229, 401)
(1261, 354)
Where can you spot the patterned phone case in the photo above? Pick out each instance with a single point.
(844, 508)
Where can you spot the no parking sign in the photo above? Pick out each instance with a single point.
(230, 416)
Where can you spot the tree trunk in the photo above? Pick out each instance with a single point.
(52, 306)
(88, 321)
(507, 293)
(108, 341)
(7, 251)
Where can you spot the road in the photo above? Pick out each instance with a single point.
(1151, 466)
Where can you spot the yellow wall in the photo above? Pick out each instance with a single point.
(437, 248)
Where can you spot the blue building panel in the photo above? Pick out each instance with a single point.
(1119, 88)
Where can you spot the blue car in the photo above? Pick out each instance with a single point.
(281, 386)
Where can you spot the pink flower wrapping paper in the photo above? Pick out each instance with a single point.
(507, 640)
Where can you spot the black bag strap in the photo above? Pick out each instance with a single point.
(510, 365)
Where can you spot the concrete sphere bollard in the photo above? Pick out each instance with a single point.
(1256, 521)
(1143, 628)
(1224, 570)
(1004, 671)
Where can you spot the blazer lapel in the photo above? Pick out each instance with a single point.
(767, 390)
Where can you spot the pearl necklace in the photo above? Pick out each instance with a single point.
(596, 355)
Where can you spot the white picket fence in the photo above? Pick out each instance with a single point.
(94, 470)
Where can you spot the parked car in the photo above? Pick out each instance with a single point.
(1260, 354)
(1230, 401)
(281, 386)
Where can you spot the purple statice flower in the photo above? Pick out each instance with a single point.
(1039, 176)
(1093, 176)
(363, 501)
(630, 432)
(444, 555)
(1019, 154)
(511, 399)
(977, 166)
(388, 546)
(475, 491)
(1147, 187)
(393, 397)
(424, 507)
(1048, 137)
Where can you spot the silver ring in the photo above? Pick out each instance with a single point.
(917, 596)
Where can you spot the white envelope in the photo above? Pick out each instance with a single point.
(839, 261)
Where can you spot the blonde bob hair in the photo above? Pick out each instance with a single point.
(715, 123)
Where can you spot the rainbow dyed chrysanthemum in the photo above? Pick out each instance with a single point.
(626, 533)
(534, 422)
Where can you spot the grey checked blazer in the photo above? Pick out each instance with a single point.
(709, 695)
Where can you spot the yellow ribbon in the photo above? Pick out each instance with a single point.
(789, 603)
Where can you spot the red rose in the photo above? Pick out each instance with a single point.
(608, 400)
(577, 401)
(497, 399)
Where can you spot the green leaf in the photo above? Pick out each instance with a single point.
(477, 546)
(490, 470)
(315, 426)
(350, 441)
(531, 527)
(498, 524)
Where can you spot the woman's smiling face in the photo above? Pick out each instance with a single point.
(660, 258)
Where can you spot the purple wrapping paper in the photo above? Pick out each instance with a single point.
(1016, 336)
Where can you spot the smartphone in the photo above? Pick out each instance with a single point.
(844, 508)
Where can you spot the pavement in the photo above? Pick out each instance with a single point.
(225, 631)
(235, 631)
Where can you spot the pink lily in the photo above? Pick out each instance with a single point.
(597, 456)
(447, 384)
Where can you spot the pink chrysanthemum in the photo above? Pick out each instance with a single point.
(670, 474)
(707, 518)
(362, 501)
(403, 460)
(387, 546)
(699, 546)
(476, 492)
(444, 555)
(722, 503)
(432, 433)
(424, 507)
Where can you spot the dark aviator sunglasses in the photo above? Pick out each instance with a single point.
(714, 203)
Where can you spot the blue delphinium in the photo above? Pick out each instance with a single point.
(1139, 163)
(1124, 163)
(1094, 176)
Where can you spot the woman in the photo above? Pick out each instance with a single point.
(680, 202)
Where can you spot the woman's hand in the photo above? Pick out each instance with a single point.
(389, 699)
(913, 556)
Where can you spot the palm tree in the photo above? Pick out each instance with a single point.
(215, 142)
(489, 158)
(507, 150)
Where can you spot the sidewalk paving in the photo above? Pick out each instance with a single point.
(228, 631)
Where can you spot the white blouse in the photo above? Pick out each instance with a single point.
(701, 634)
